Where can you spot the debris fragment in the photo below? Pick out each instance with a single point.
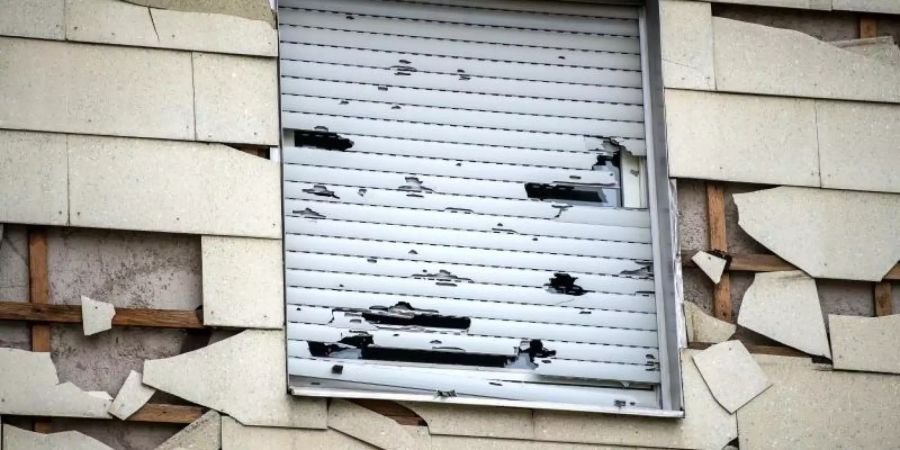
(29, 386)
(865, 343)
(202, 434)
(96, 316)
(712, 265)
(18, 439)
(733, 376)
(242, 376)
(827, 233)
(785, 306)
(131, 397)
(701, 327)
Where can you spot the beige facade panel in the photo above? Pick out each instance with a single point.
(204, 433)
(243, 376)
(827, 233)
(687, 45)
(18, 439)
(870, 6)
(215, 33)
(797, 4)
(29, 386)
(702, 327)
(369, 426)
(811, 408)
(250, 9)
(236, 436)
(705, 425)
(784, 306)
(473, 443)
(712, 265)
(131, 397)
(866, 344)
(91, 89)
(733, 376)
(858, 145)
(32, 18)
(120, 23)
(110, 22)
(96, 316)
(881, 48)
(481, 421)
(236, 99)
(242, 282)
(757, 59)
(33, 177)
(742, 138)
(179, 187)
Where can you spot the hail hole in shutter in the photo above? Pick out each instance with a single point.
(465, 198)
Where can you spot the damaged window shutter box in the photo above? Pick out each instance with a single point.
(469, 206)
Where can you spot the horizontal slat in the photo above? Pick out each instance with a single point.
(462, 238)
(477, 67)
(466, 118)
(535, 108)
(438, 253)
(466, 221)
(476, 291)
(445, 167)
(565, 350)
(493, 275)
(447, 133)
(461, 83)
(361, 301)
(591, 370)
(494, 327)
(569, 10)
(436, 30)
(451, 381)
(559, 211)
(405, 44)
(484, 16)
(468, 152)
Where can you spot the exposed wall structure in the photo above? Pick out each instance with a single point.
(130, 173)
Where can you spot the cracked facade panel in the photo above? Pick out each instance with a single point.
(470, 213)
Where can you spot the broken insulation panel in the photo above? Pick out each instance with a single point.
(465, 204)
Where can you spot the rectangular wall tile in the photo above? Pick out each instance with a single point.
(179, 187)
(109, 22)
(32, 18)
(858, 145)
(242, 282)
(687, 45)
(90, 89)
(757, 59)
(796, 4)
(236, 99)
(742, 138)
(33, 178)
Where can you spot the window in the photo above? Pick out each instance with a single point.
(469, 205)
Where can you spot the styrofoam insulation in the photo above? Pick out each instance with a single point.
(131, 397)
(96, 316)
(710, 264)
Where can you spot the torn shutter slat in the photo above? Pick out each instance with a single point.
(470, 83)
(447, 167)
(360, 124)
(462, 238)
(297, 53)
(466, 273)
(462, 32)
(465, 290)
(371, 194)
(597, 22)
(399, 43)
(492, 327)
(453, 195)
(564, 350)
(466, 118)
(495, 258)
(480, 222)
(449, 381)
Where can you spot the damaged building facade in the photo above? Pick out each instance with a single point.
(449, 224)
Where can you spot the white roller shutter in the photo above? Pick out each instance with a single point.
(455, 180)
